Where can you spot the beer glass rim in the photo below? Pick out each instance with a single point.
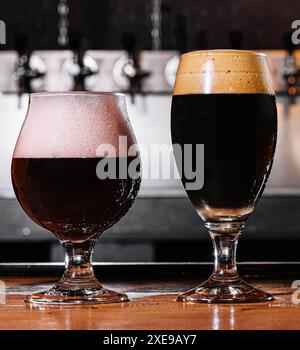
(223, 52)
(76, 93)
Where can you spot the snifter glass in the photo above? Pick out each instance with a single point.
(76, 172)
(224, 101)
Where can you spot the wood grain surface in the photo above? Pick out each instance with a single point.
(152, 306)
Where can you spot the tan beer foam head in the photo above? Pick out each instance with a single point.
(74, 125)
(223, 71)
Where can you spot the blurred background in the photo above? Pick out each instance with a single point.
(133, 46)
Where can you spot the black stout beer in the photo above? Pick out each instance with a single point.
(66, 196)
(239, 135)
(224, 100)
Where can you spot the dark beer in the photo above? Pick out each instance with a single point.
(239, 136)
(73, 175)
(224, 100)
(65, 195)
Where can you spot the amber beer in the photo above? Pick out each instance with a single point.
(64, 141)
(68, 198)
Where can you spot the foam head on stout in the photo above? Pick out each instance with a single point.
(224, 99)
(55, 160)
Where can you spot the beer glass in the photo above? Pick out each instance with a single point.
(224, 100)
(70, 172)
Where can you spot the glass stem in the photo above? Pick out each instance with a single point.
(78, 264)
(225, 238)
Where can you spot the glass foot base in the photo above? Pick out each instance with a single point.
(77, 297)
(214, 291)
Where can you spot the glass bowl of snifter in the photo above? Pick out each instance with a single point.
(72, 175)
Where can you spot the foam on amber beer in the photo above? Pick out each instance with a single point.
(74, 127)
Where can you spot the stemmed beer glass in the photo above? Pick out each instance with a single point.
(76, 171)
(224, 100)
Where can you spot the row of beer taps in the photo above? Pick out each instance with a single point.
(29, 69)
(79, 67)
(26, 70)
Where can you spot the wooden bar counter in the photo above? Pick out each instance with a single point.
(152, 289)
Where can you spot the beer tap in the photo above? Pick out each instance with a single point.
(128, 72)
(27, 68)
(81, 66)
(291, 70)
(132, 69)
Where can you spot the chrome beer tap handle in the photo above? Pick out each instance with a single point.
(130, 67)
(29, 67)
(80, 67)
